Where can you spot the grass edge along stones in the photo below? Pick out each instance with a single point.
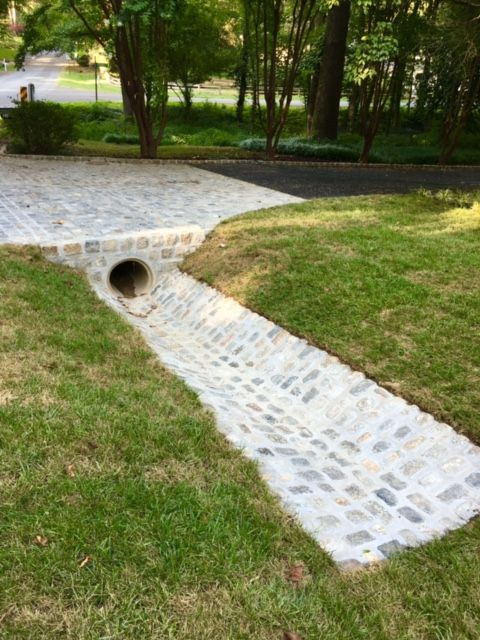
(390, 284)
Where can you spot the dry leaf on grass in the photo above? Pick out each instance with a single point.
(85, 561)
(70, 470)
(41, 541)
(296, 574)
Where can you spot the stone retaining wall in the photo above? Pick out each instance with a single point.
(160, 250)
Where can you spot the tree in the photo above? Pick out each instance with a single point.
(199, 45)
(241, 70)
(377, 60)
(49, 28)
(458, 66)
(330, 76)
(134, 34)
(280, 31)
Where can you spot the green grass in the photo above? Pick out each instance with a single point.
(8, 53)
(187, 152)
(215, 125)
(149, 525)
(208, 125)
(389, 283)
(84, 79)
(108, 457)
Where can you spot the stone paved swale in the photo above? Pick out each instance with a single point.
(367, 474)
(364, 472)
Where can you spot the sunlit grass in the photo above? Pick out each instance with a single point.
(389, 283)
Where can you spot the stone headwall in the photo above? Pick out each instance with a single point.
(161, 250)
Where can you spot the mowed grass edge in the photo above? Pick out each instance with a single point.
(125, 514)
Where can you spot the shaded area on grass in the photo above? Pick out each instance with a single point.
(126, 515)
(390, 284)
(183, 152)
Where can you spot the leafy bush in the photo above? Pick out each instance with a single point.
(97, 112)
(83, 60)
(305, 149)
(213, 137)
(40, 127)
(406, 155)
(121, 138)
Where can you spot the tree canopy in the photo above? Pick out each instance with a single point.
(393, 60)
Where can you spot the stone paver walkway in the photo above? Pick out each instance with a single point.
(70, 200)
(364, 472)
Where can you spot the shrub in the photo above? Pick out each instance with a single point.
(97, 112)
(121, 138)
(213, 137)
(40, 127)
(306, 149)
(83, 60)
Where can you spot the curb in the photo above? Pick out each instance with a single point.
(199, 161)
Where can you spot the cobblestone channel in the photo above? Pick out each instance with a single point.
(364, 472)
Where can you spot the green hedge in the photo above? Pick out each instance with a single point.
(121, 138)
(40, 128)
(305, 149)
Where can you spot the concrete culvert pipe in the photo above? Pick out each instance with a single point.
(130, 278)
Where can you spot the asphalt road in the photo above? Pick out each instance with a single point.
(44, 72)
(316, 181)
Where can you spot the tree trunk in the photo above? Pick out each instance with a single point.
(186, 91)
(312, 98)
(135, 92)
(329, 91)
(270, 146)
(379, 92)
(460, 111)
(127, 107)
(353, 104)
(422, 90)
(242, 76)
(398, 81)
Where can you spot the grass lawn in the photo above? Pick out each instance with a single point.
(389, 283)
(126, 515)
(7, 53)
(79, 78)
(166, 152)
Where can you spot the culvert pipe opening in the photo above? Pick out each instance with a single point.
(130, 278)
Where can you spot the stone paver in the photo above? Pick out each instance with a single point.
(364, 472)
(44, 200)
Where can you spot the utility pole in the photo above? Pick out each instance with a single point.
(96, 79)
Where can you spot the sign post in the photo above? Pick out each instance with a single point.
(96, 79)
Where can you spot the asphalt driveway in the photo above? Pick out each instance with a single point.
(317, 181)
